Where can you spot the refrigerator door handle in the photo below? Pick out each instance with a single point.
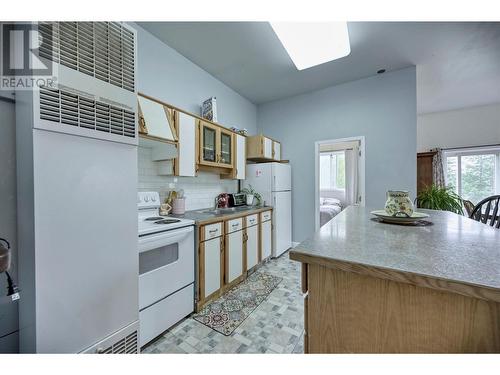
(274, 182)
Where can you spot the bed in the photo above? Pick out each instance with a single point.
(328, 209)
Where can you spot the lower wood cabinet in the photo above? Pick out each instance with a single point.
(234, 256)
(228, 249)
(210, 261)
(266, 239)
(252, 242)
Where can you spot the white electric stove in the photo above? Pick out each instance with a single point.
(166, 268)
(148, 204)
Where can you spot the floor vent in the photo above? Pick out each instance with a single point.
(127, 345)
(74, 110)
(104, 50)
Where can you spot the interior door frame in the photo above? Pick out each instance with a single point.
(361, 166)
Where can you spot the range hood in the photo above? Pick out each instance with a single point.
(157, 130)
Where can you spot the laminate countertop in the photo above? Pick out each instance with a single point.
(209, 215)
(454, 253)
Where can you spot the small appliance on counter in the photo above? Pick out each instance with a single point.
(237, 199)
(166, 268)
(222, 200)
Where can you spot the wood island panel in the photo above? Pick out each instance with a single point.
(358, 313)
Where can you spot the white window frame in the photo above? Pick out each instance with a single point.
(333, 176)
(488, 150)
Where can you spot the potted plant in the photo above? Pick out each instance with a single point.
(251, 194)
(440, 198)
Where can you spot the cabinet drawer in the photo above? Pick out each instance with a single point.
(211, 231)
(252, 220)
(264, 216)
(234, 225)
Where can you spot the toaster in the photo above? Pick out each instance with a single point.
(238, 199)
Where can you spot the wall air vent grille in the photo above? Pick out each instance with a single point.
(127, 345)
(104, 50)
(74, 110)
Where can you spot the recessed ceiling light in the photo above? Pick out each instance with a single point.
(313, 43)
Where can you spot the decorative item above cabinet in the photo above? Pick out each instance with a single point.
(261, 149)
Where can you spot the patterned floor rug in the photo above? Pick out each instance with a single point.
(227, 312)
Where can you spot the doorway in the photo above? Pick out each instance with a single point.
(339, 176)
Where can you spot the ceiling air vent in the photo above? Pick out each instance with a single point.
(127, 345)
(104, 50)
(71, 109)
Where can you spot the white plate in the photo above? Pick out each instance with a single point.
(384, 216)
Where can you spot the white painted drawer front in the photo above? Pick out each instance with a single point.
(165, 313)
(234, 255)
(265, 216)
(212, 254)
(252, 246)
(213, 230)
(234, 225)
(252, 220)
(266, 239)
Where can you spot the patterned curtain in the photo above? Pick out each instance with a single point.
(438, 169)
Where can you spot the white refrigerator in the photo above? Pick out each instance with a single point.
(274, 182)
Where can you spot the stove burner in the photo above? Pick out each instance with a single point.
(154, 218)
(167, 221)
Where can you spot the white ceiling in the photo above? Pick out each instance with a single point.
(458, 64)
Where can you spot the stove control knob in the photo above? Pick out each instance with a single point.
(153, 198)
(146, 199)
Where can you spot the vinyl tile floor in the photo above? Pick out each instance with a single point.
(275, 326)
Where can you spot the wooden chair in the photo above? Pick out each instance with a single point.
(469, 207)
(487, 211)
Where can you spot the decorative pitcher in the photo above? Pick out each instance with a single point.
(398, 203)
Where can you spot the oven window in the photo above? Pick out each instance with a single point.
(156, 258)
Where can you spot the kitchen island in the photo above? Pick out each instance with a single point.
(373, 287)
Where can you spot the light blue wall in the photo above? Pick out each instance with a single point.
(165, 74)
(382, 108)
(9, 335)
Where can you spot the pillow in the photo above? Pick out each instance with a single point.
(332, 201)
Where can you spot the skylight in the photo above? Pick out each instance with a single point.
(313, 43)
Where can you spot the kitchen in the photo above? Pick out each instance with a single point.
(234, 232)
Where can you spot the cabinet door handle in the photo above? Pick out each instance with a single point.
(221, 244)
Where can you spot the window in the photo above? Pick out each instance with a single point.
(474, 174)
(332, 170)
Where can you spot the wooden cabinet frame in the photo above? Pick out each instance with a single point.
(216, 129)
(201, 298)
(256, 150)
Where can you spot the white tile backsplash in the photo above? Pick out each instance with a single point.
(200, 191)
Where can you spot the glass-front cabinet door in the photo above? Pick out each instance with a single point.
(208, 143)
(226, 149)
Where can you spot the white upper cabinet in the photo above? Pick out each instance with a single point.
(268, 148)
(276, 151)
(157, 121)
(262, 149)
(241, 157)
(186, 161)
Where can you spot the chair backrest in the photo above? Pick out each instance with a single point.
(469, 207)
(488, 211)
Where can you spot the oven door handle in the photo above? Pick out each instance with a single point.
(157, 240)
